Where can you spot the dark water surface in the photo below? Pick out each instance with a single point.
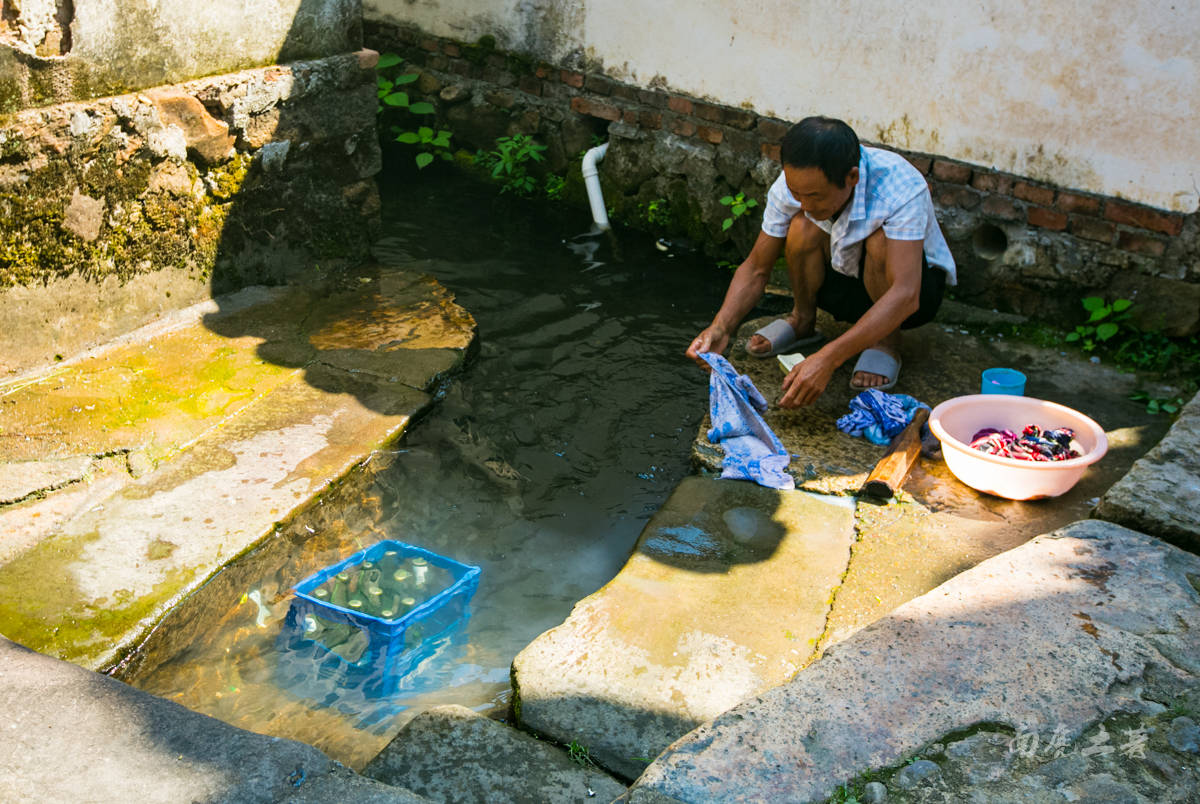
(541, 464)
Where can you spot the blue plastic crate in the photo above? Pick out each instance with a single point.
(367, 651)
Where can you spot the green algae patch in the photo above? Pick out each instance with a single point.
(160, 549)
(46, 610)
(154, 400)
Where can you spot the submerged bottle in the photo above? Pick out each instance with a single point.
(374, 599)
(312, 627)
(420, 571)
(389, 562)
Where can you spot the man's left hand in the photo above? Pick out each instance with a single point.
(805, 383)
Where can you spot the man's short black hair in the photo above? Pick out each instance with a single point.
(822, 142)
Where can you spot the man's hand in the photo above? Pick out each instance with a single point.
(807, 380)
(712, 339)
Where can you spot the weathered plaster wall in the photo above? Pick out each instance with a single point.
(1093, 96)
(60, 50)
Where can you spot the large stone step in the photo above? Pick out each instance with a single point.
(725, 596)
(136, 471)
(1061, 670)
(74, 735)
(451, 754)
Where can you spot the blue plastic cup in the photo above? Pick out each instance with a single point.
(1002, 381)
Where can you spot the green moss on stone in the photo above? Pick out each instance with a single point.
(227, 179)
(47, 611)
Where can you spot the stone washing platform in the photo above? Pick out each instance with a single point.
(942, 527)
(944, 360)
(1066, 669)
(74, 735)
(129, 475)
(726, 595)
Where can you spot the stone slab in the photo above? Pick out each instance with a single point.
(1073, 627)
(725, 596)
(452, 754)
(1159, 493)
(74, 735)
(231, 420)
(21, 480)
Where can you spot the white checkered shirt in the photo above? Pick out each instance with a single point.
(890, 193)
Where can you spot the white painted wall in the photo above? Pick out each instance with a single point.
(1096, 95)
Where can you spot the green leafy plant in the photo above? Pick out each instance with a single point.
(579, 754)
(509, 163)
(1158, 404)
(656, 212)
(388, 80)
(1103, 324)
(738, 205)
(554, 185)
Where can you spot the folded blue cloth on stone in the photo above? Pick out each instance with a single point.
(752, 450)
(877, 415)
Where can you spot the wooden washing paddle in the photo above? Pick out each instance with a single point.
(889, 474)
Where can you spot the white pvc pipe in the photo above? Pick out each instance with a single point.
(591, 179)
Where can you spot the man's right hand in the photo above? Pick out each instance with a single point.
(712, 339)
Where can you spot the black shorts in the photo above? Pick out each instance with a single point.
(846, 298)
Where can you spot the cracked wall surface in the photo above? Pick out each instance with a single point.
(53, 51)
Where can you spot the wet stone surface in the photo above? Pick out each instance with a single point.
(726, 595)
(226, 418)
(941, 361)
(939, 527)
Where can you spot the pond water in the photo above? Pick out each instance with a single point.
(541, 463)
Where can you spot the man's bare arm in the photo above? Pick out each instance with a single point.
(745, 289)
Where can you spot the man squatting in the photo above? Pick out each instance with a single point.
(857, 228)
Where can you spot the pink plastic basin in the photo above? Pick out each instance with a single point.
(956, 420)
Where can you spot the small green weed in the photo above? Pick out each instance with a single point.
(657, 213)
(1157, 404)
(509, 163)
(1111, 316)
(579, 754)
(388, 79)
(553, 186)
(738, 205)
(843, 795)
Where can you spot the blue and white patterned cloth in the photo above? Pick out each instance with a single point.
(877, 415)
(890, 193)
(752, 450)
